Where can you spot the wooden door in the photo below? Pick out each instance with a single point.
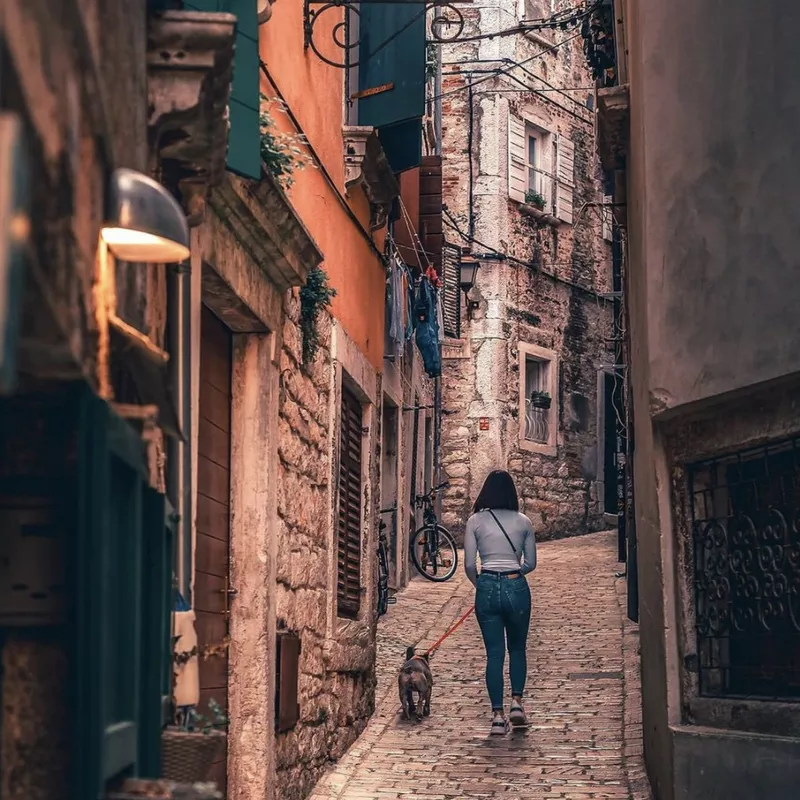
(213, 517)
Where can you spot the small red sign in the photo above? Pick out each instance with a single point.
(484, 423)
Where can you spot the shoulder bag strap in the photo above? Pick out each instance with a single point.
(499, 524)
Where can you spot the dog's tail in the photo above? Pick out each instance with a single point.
(410, 653)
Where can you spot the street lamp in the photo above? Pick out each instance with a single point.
(468, 271)
(144, 222)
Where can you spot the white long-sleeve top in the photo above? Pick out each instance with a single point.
(483, 535)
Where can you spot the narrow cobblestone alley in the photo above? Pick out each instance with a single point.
(583, 695)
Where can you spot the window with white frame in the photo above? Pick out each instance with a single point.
(537, 192)
(541, 167)
(538, 411)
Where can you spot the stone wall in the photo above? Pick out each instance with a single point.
(540, 283)
(336, 694)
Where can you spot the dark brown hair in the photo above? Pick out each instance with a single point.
(498, 492)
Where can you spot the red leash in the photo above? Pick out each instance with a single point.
(431, 650)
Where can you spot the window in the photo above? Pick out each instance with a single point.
(744, 509)
(538, 183)
(348, 583)
(541, 167)
(538, 399)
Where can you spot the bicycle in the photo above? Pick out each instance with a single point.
(433, 549)
(384, 601)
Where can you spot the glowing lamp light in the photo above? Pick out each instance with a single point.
(144, 222)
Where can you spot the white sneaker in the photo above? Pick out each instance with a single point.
(517, 715)
(499, 725)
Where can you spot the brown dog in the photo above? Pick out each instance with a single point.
(415, 677)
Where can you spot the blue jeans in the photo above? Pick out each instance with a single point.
(503, 609)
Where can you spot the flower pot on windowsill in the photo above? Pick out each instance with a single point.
(187, 756)
(541, 400)
(538, 214)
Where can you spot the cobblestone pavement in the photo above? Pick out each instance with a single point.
(583, 696)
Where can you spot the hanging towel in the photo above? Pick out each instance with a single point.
(187, 676)
(395, 306)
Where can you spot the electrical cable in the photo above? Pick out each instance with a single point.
(451, 223)
(506, 70)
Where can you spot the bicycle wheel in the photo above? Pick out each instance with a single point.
(443, 566)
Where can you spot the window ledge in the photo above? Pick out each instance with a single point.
(189, 67)
(365, 164)
(538, 447)
(537, 38)
(533, 212)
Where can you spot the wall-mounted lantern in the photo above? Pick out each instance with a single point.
(468, 269)
(144, 222)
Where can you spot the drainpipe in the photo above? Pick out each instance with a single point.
(471, 116)
(437, 103)
(179, 481)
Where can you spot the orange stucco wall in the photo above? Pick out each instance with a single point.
(315, 93)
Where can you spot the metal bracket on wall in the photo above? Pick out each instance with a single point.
(445, 26)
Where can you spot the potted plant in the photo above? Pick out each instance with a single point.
(192, 743)
(541, 400)
(535, 199)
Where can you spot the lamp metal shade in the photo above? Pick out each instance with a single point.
(469, 269)
(144, 222)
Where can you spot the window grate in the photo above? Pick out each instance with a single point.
(746, 532)
(348, 587)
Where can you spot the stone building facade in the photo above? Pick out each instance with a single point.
(715, 415)
(523, 191)
(87, 417)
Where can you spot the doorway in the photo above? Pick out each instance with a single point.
(212, 549)
(612, 412)
(389, 475)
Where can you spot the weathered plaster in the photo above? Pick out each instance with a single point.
(254, 540)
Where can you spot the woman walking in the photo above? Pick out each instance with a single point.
(504, 538)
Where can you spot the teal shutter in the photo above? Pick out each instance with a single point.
(392, 51)
(244, 138)
(123, 575)
(158, 558)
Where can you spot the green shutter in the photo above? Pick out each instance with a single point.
(401, 62)
(392, 51)
(121, 621)
(158, 538)
(244, 138)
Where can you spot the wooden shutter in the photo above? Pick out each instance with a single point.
(348, 587)
(108, 638)
(517, 172)
(565, 178)
(431, 232)
(451, 288)
(287, 707)
(244, 137)
(606, 215)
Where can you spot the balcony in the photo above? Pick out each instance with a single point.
(613, 125)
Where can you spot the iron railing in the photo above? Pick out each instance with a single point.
(746, 531)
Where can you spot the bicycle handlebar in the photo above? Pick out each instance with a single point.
(433, 490)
